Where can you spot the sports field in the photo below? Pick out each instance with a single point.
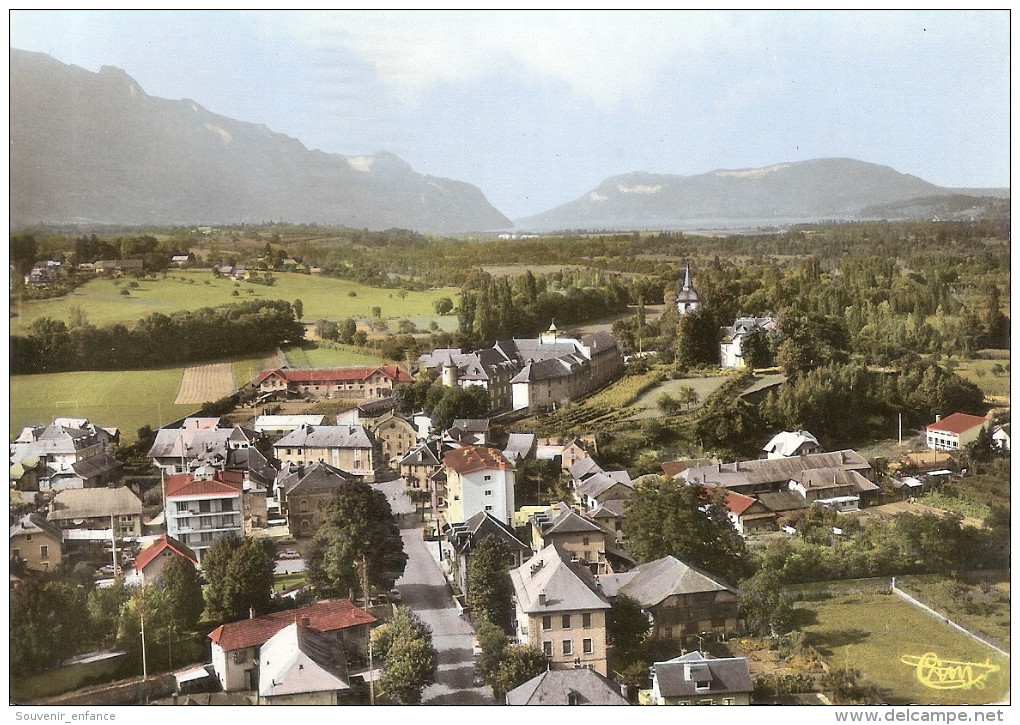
(102, 301)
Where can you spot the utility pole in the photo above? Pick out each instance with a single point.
(371, 665)
(113, 547)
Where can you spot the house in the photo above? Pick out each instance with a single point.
(519, 447)
(834, 488)
(43, 274)
(90, 513)
(363, 383)
(489, 369)
(783, 504)
(610, 515)
(180, 260)
(67, 453)
(791, 443)
(394, 436)
(759, 476)
(686, 298)
(367, 413)
(37, 542)
(478, 479)
(417, 467)
(149, 562)
(693, 679)
(731, 355)
(305, 492)
(236, 646)
(347, 447)
(197, 443)
(567, 687)
(582, 469)
(682, 601)
(301, 666)
(467, 432)
(277, 426)
(561, 611)
(954, 431)
(604, 486)
(1000, 437)
(204, 507)
(119, 267)
(673, 469)
(572, 534)
(568, 450)
(258, 479)
(748, 515)
(465, 536)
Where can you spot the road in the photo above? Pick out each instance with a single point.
(424, 589)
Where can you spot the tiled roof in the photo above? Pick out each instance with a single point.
(822, 478)
(566, 521)
(96, 465)
(475, 458)
(326, 436)
(788, 442)
(680, 677)
(316, 478)
(567, 687)
(776, 470)
(34, 523)
(653, 582)
(325, 616)
(566, 586)
(782, 501)
(600, 483)
(958, 423)
(86, 503)
(163, 543)
(327, 375)
(737, 503)
(478, 528)
(472, 425)
(223, 483)
(420, 455)
(298, 659)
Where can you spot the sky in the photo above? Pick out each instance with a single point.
(536, 108)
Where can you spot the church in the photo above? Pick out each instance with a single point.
(687, 299)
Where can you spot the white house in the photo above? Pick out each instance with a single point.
(478, 479)
(791, 443)
(954, 431)
(1001, 437)
(731, 355)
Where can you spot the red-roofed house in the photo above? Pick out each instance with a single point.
(749, 515)
(478, 479)
(954, 431)
(150, 561)
(236, 645)
(346, 383)
(202, 509)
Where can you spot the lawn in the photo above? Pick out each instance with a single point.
(126, 399)
(872, 631)
(704, 387)
(978, 601)
(979, 372)
(103, 303)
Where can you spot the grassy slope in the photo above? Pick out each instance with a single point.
(979, 372)
(322, 298)
(871, 632)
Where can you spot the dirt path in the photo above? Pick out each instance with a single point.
(205, 383)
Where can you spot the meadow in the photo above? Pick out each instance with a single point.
(872, 631)
(102, 300)
(979, 372)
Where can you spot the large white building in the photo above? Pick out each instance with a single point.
(954, 431)
(478, 479)
(203, 508)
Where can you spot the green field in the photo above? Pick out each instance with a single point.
(980, 373)
(329, 356)
(872, 631)
(126, 399)
(322, 298)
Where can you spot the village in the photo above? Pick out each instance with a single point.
(535, 565)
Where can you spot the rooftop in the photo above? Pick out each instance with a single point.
(325, 616)
(958, 423)
(567, 687)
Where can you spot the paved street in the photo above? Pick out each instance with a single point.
(425, 591)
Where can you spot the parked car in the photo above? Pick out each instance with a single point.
(395, 596)
(290, 554)
(108, 571)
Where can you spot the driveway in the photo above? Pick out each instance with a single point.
(424, 590)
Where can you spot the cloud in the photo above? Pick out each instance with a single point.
(603, 57)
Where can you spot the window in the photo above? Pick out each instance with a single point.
(304, 505)
(584, 542)
(586, 620)
(586, 645)
(204, 507)
(488, 508)
(727, 701)
(488, 478)
(488, 492)
(547, 622)
(44, 551)
(566, 621)
(706, 702)
(669, 633)
(547, 648)
(28, 537)
(568, 647)
(16, 553)
(182, 506)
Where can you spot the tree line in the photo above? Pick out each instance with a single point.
(157, 339)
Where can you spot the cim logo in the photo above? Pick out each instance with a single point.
(948, 674)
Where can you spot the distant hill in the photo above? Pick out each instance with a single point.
(95, 148)
(805, 191)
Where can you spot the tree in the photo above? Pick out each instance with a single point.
(489, 590)
(627, 626)
(766, 607)
(755, 349)
(443, 306)
(299, 308)
(184, 592)
(409, 659)
(240, 575)
(46, 624)
(665, 517)
(518, 665)
(356, 523)
(348, 328)
(377, 311)
(668, 404)
(467, 402)
(492, 641)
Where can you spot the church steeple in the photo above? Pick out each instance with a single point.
(687, 299)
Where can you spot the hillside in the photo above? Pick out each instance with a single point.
(94, 148)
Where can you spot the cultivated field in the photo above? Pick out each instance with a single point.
(322, 298)
(205, 383)
(995, 387)
(872, 632)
